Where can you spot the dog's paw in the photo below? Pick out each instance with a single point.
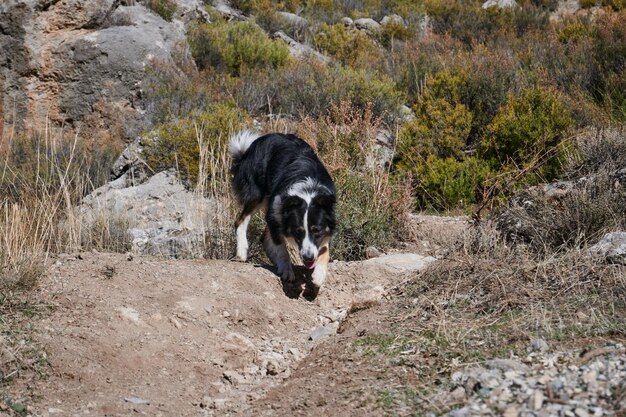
(287, 274)
(319, 276)
(242, 253)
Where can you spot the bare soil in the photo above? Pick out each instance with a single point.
(179, 337)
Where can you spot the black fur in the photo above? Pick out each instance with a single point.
(268, 168)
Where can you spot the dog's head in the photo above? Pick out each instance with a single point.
(309, 221)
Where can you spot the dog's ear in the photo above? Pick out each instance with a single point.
(292, 202)
(325, 201)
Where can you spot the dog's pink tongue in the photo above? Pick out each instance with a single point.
(309, 265)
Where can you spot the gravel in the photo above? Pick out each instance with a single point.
(545, 384)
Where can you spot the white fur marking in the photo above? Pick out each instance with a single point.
(319, 275)
(240, 142)
(306, 189)
(242, 239)
(308, 247)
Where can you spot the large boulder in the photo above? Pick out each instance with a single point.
(80, 62)
(161, 216)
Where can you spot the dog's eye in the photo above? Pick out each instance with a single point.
(299, 232)
(315, 229)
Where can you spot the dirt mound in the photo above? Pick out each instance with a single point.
(176, 337)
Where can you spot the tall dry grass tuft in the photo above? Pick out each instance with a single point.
(43, 176)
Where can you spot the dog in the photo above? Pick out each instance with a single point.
(281, 173)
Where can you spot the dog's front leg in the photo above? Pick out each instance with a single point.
(279, 256)
(321, 267)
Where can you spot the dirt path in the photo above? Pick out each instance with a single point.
(177, 337)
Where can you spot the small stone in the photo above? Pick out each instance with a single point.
(234, 377)
(458, 394)
(539, 345)
(507, 365)
(218, 403)
(319, 332)
(581, 412)
(175, 322)
(512, 411)
(136, 401)
(537, 400)
(372, 252)
(53, 410)
(129, 256)
(225, 314)
(271, 368)
(208, 308)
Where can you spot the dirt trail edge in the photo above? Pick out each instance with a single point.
(182, 337)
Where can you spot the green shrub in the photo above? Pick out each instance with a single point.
(235, 46)
(528, 127)
(364, 217)
(441, 126)
(180, 143)
(350, 46)
(164, 8)
(448, 183)
(309, 88)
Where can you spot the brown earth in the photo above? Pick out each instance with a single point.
(196, 337)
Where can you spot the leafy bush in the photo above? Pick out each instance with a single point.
(235, 46)
(181, 144)
(164, 8)
(449, 183)
(348, 45)
(319, 86)
(527, 127)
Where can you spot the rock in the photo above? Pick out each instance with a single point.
(136, 401)
(564, 9)
(81, 63)
(159, 217)
(400, 262)
(234, 377)
(539, 345)
(272, 368)
(611, 248)
(300, 50)
(503, 4)
(507, 365)
(394, 18)
(320, 332)
(581, 412)
(224, 8)
(131, 161)
(293, 19)
(372, 252)
(367, 295)
(347, 21)
(536, 400)
(367, 23)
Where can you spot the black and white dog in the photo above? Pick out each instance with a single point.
(282, 174)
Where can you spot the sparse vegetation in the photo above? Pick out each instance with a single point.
(164, 8)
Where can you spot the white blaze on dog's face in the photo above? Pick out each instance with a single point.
(306, 216)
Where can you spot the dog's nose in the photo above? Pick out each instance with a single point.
(308, 257)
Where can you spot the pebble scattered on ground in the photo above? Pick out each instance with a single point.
(544, 384)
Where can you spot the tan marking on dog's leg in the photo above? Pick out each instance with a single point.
(279, 256)
(241, 228)
(321, 267)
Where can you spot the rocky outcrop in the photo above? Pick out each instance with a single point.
(300, 50)
(78, 63)
(503, 4)
(163, 218)
(611, 248)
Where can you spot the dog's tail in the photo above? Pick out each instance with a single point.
(240, 142)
